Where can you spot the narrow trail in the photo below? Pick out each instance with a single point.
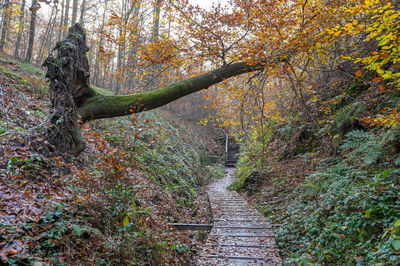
(240, 235)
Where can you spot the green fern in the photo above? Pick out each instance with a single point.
(366, 146)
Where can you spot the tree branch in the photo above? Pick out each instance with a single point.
(102, 106)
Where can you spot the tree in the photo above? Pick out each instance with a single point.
(60, 28)
(74, 11)
(75, 101)
(291, 35)
(32, 25)
(127, 8)
(82, 16)
(20, 28)
(4, 27)
(66, 18)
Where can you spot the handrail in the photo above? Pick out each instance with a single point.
(226, 144)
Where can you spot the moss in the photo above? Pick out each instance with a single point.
(66, 46)
(108, 105)
(101, 106)
(80, 25)
(30, 69)
(74, 34)
(101, 91)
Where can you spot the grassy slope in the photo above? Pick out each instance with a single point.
(340, 207)
(110, 205)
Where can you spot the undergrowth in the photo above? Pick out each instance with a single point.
(337, 204)
(346, 212)
(347, 208)
(111, 205)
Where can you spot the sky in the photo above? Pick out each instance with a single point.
(207, 3)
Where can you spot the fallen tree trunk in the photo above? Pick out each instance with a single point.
(74, 100)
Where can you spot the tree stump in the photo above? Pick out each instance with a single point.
(68, 72)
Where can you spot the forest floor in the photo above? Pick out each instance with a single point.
(111, 205)
(240, 235)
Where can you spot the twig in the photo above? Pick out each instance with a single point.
(3, 104)
(25, 132)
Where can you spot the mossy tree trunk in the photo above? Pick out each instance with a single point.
(75, 101)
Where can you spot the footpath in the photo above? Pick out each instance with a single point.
(240, 235)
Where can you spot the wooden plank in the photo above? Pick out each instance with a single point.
(233, 257)
(239, 220)
(266, 259)
(192, 227)
(238, 246)
(243, 235)
(243, 227)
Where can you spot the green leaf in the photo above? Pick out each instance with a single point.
(397, 223)
(396, 244)
(125, 222)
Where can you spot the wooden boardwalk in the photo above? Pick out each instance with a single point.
(240, 235)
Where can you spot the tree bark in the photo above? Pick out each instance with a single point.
(20, 29)
(103, 106)
(4, 26)
(82, 16)
(46, 35)
(49, 45)
(74, 11)
(127, 9)
(66, 18)
(31, 32)
(97, 66)
(134, 42)
(74, 99)
(60, 29)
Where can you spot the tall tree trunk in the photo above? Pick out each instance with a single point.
(20, 29)
(60, 28)
(46, 34)
(83, 7)
(101, 40)
(126, 13)
(156, 21)
(50, 43)
(152, 80)
(74, 11)
(133, 50)
(31, 32)
(4, 27)
(66, 18)
(119, 63)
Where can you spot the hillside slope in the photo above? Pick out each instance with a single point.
(332, 189)
(111, 205)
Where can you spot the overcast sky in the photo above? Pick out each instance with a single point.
(207, 3)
